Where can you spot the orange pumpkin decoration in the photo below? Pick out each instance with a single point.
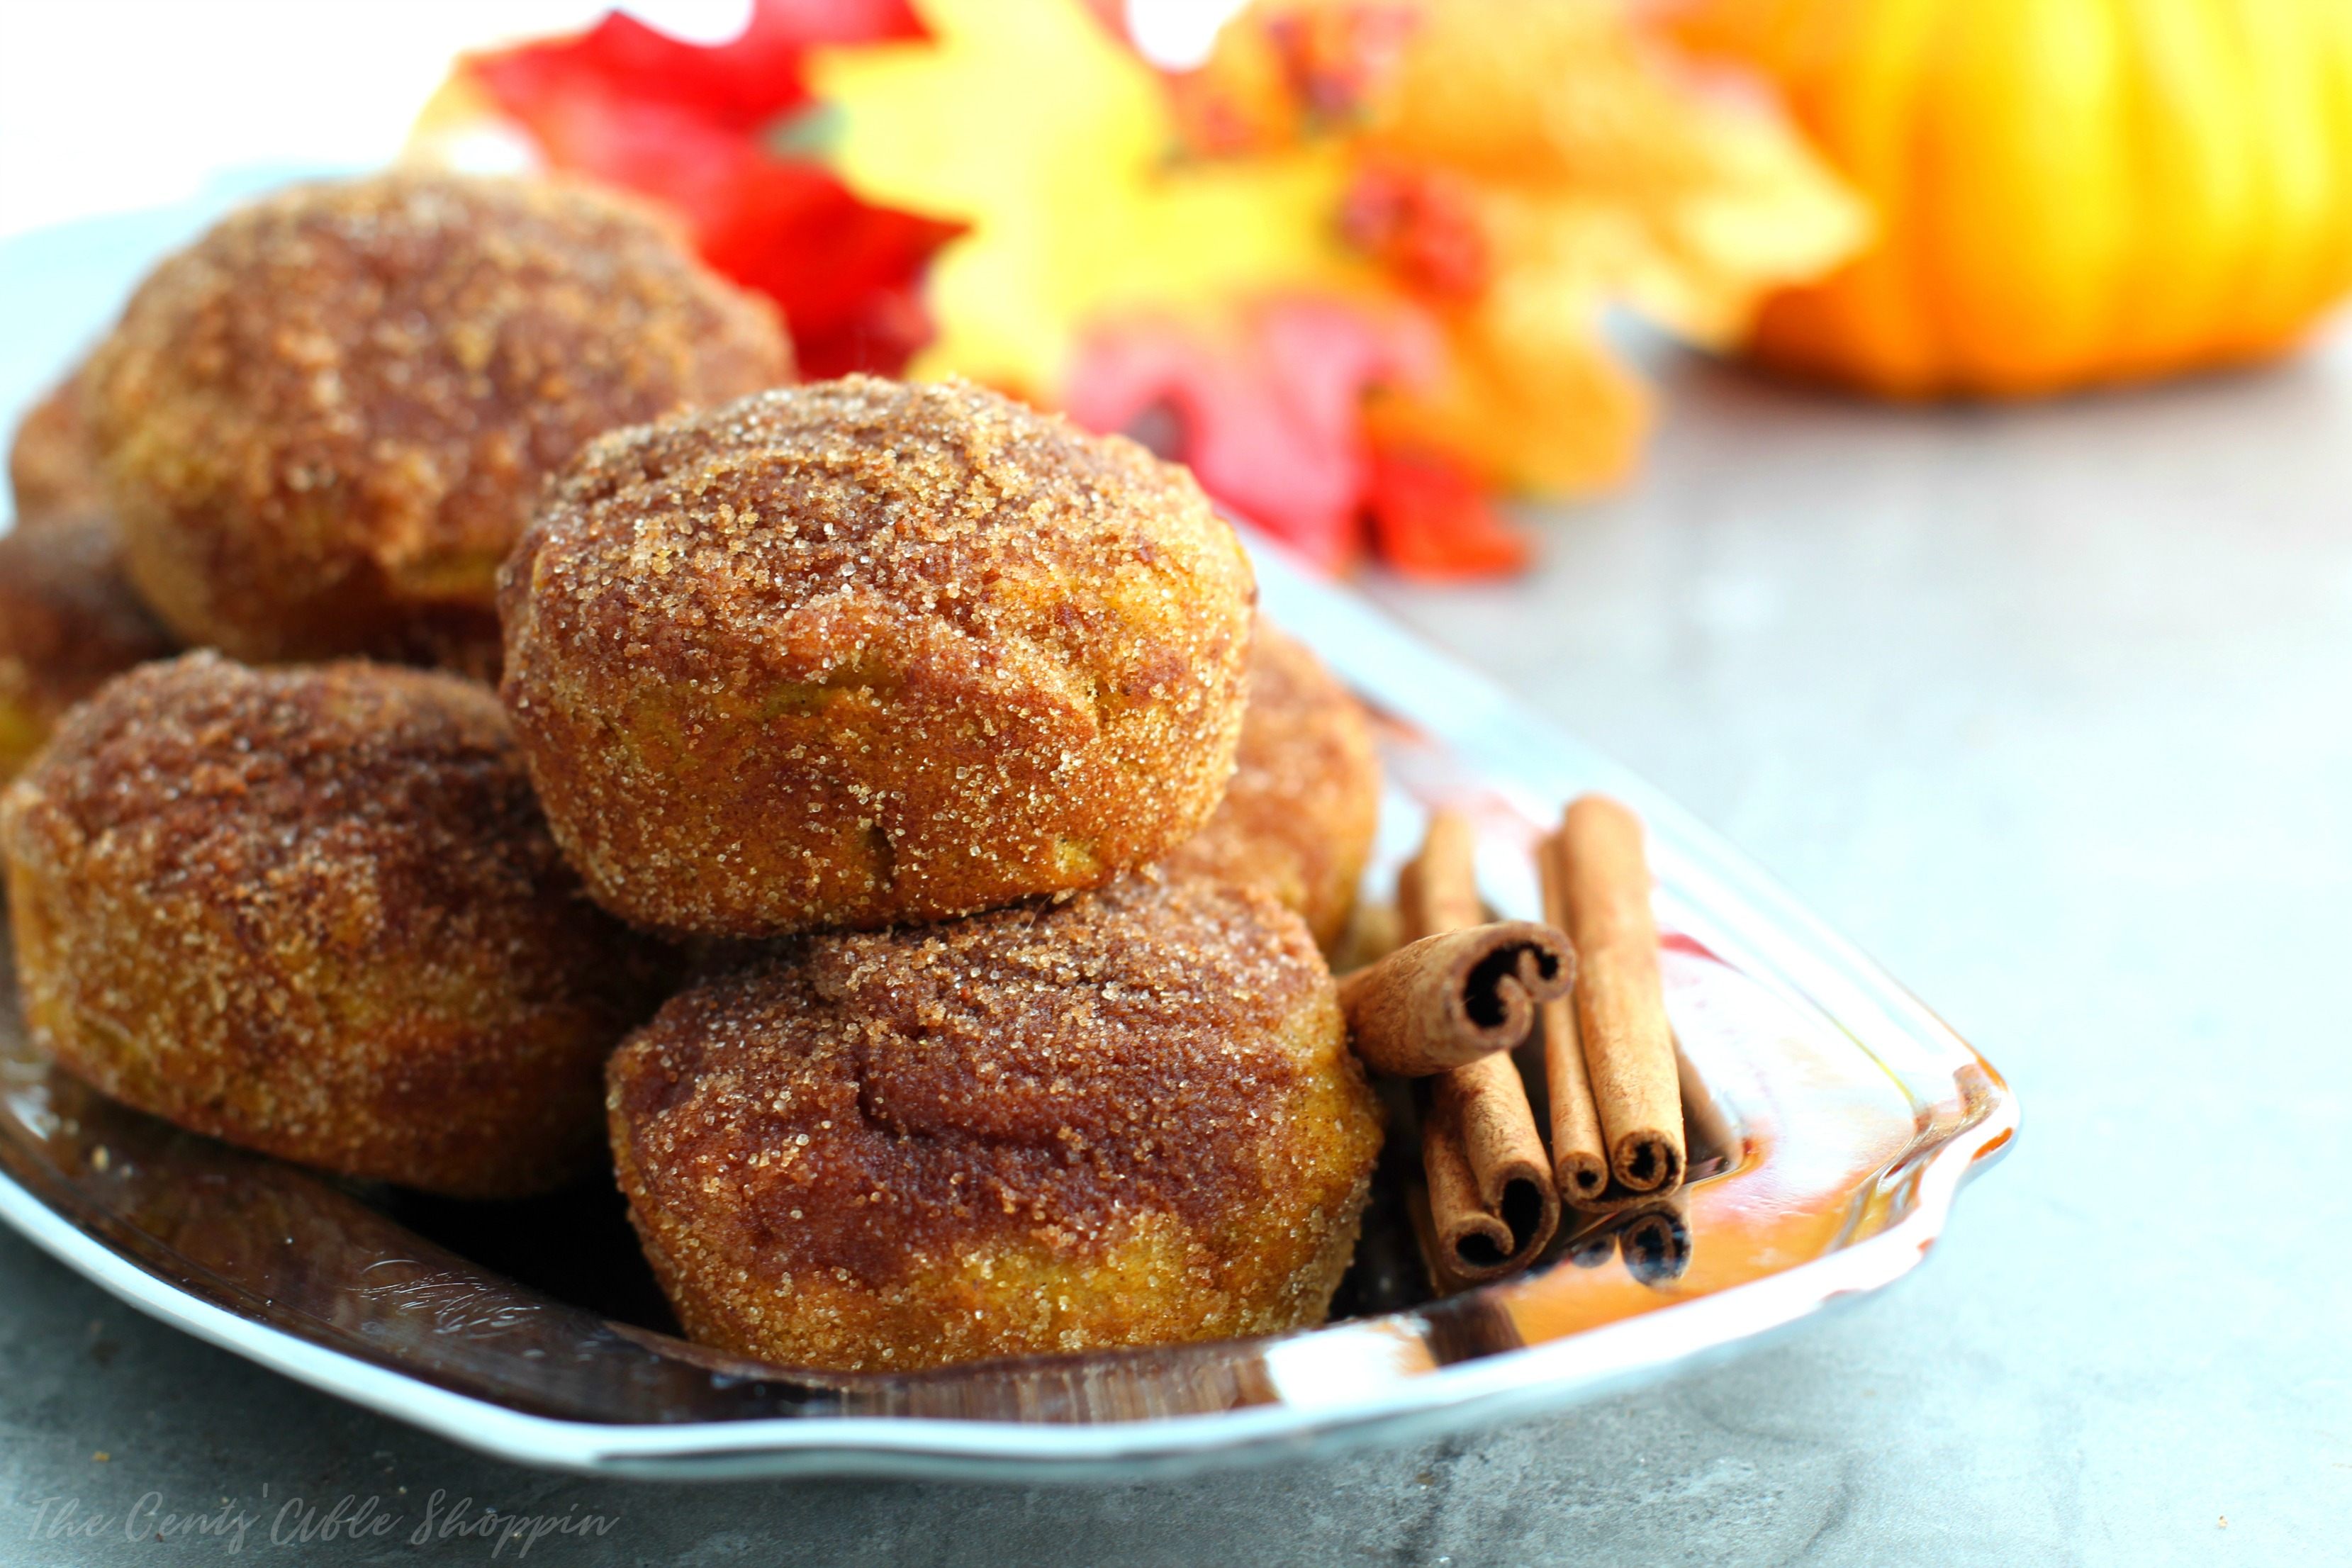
(2069, 192)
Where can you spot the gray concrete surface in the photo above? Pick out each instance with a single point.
(2052, 711)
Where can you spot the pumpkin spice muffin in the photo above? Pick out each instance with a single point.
(52, 469)
(316, 912)
(69, 621)
(1124, 1116)
(68, 617)
(863, 653)
(325, 422)
(1298, 818)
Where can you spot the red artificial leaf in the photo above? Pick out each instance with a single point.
(741, 85)
(848, 275)
(1430, 517)
(679, 122)
(1270, 421)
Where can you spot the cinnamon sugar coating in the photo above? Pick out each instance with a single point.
(1298, 818)
(52, 467)
(324, 424)
(68, 620)
(316, 912)
(1125, 1116)
(863, 653)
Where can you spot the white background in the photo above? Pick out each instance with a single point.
(107, 105)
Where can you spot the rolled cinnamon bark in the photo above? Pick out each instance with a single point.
(1621, 1008)
(1491, 1200)
(1437, 890)
(1447, 1000)
(1490, 1193)
(1579, 1161)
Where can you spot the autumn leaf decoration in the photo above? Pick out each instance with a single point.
(1353, 269)
(708, 130)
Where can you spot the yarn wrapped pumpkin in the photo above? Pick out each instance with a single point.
(2069, 192)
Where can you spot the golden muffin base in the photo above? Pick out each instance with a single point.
(861, 653)
(315, 912)
(1298, 818)
(68, 620)
(323, 424)
(1128, 1117)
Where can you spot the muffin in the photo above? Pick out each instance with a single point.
(1297, 819)
(52, 468)
(1125, 1117)
(69, 621)
(860, 653)
(316, 912)
(324, 424)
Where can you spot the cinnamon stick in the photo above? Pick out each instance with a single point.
(1621, 1008)
(1447, 1000)
(1492, 1203)
(1437, 890)
(1579, 1161)
(1490, 1194)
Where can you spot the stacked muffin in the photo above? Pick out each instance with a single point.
(894, 715)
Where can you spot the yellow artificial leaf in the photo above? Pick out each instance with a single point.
(1028, 120)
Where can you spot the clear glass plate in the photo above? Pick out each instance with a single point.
(1851, 1117)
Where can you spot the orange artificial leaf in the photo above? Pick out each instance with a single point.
(1283, 73)
(1423, 226)
(1528, 396)
(1521, 168)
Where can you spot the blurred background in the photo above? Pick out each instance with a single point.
(103, 107)
(120, 104)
